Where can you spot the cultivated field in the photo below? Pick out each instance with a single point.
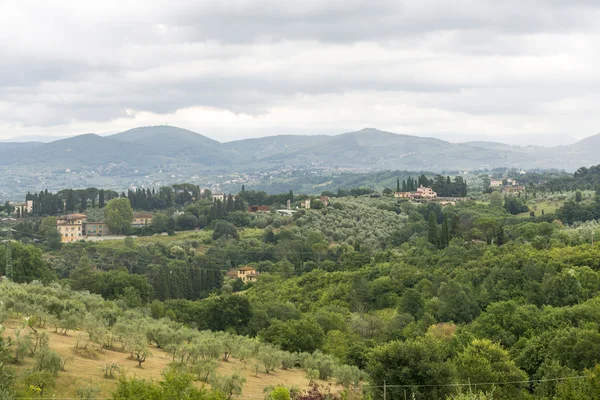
(82, 372)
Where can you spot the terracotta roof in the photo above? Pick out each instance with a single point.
(232, 273)
(246, 269)
(142, 215)
(71, 217)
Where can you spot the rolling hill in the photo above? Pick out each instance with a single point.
(367, 149)
(171, 142)
(158, 155)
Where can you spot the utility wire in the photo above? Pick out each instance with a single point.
(479, 384)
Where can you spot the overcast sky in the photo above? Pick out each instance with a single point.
(516, 71)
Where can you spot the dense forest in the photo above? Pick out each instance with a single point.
(487, 298)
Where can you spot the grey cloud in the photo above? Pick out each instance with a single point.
(379, 20)
(478, 57)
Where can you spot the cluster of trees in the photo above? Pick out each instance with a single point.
(578, 210)
(355, 192)
(460, 314)
(583, 179)
(260, 198)
(419, 296)
(515, 205)
(70, 200)
(411, 185)
(354, 221)
(6, 208)
(443, 186)
(106, 325)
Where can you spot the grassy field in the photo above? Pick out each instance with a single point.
(548, 207)
(199, 236)
(164, 239)
(81, 372)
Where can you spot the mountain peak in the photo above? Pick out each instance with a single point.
(166, 134)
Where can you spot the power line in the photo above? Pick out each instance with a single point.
(479, 384)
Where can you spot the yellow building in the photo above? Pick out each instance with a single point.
(70, 227)
(403, 195)
(141, 219)
(95, 229)
(425, 193)
(247, 274)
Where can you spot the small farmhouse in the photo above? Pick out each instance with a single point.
(513, 190)
(141, 219)
(421, 193)
(247, 274)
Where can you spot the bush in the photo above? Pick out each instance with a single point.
(186, 222)
(229, 384)
(279, 393)
(48, 361)
(224, 229)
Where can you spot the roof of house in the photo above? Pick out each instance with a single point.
(142, 215)
(259, 208)
(71, 217)
(232, 272)
(246, 268)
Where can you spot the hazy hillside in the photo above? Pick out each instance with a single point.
(171, 142)
(367, 149)
(83, 150)
(153, 156)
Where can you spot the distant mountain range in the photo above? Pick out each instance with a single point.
(176, 153)
(368, 149)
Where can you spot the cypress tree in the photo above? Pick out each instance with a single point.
(230, 205)
(214, 212)
(220, 209)
(433, 230)
(445, 238)
(397, 184)
(101, 198)
(70, 206)
(239, 204)
(500, 237)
